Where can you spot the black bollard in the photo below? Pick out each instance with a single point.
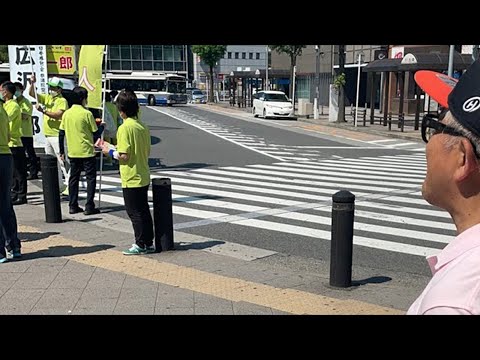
(162, 214)
(343, 209)
(51, 190)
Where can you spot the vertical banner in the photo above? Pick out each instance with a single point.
(60, 59)
(90, 73)
(21, 70)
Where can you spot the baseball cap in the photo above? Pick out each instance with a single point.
(464, 99)
(461, 97)
(55, 82)
(436, 84)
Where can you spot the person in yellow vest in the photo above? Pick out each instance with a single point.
(112, 108)
(19, 186)
(133, 150)
(27, 131)
(8, 220)
(54, 107)
(78, 125)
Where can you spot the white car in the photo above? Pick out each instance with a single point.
(272, 104)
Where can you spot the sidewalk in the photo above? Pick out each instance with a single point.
(76, 267)
(347, 129)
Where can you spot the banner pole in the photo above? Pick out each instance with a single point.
(104, 87)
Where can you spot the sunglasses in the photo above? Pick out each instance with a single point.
(431, 125)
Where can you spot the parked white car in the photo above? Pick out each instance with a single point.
(272, 104)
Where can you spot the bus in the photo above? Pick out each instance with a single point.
(151, 88)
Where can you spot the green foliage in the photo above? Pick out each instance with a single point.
(3, 53)
(339, 80)
(210, 54)
(291, 50)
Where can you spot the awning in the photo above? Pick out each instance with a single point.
(433, 61)
(420, 61)
(382, 65)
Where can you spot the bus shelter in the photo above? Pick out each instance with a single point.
(397, 93)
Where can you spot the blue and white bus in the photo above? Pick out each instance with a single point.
(151, 88)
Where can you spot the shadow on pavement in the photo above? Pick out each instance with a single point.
(372, 280)
(65, 250)
(32, 236)
(197, 246)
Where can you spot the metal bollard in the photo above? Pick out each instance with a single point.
(51, 190)
(162, 214)
(342, 239)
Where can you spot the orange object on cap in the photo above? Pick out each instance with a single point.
(436, 84)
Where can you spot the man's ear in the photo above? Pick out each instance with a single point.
(467, 161)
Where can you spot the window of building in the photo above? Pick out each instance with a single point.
(178, 53)
(179, 66)
(147, 52)
(250, 56)
(229, 55)
(168, 66)
(125, 52)
(244, 55)
(158, 65)
(157, 53)
(136, 52)
(236, 55)
(167, 53)
(147, 65)
(258, 56)
(126, 65)
(114, 52)
(115, 65)
(137, 65)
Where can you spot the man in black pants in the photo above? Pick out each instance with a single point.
(26, 108)
(78, 125)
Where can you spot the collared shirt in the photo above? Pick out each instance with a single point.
(52, 104)
(79, 125)
(4, 131)
(27, 108)
(133, 138)
(15, 116)
(455, 285)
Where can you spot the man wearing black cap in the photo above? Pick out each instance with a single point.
(452, 183)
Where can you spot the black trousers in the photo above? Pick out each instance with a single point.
(136, 204)
(77, 165)
(32, 161)
(19, 184)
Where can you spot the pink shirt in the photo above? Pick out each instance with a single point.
(455, 285)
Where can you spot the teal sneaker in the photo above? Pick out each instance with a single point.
(9, 254)
(135, 250)
(3, 260)
(17, 253)
(150, 249)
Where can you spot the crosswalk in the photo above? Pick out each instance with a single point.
(399, 144)
(280, 152)
(295, 198)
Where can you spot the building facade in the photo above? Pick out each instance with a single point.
(236, 58)
(161, 58)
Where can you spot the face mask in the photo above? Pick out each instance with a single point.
(18, 93)
(53, 92)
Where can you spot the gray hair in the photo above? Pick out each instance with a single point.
(450, 141)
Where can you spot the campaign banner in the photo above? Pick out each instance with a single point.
(25, 60)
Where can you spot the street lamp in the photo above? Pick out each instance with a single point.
(360, 54)
(266, 68)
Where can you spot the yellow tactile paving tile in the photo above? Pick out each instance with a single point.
(328, 130)
(233, 289)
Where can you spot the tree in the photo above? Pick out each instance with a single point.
(3, 53)
(293, 51)
(210, 54)
(341, 91)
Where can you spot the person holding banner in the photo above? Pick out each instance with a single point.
(78, 125)
(19, 188)
(8, 220)
(133, 150)
(54, 107)
(27, 131)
